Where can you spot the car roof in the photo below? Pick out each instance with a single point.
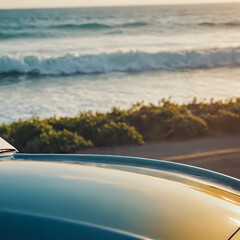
(135, 200)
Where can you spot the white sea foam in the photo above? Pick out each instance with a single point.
(120, 62)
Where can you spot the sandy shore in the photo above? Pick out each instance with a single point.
(221, 154)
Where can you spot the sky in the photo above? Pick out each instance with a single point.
(5, 4)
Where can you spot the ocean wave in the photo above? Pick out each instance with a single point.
(15, 35)
(119, 62)
(224, 24)
(95, 26)
(134, 24)
(89, 26)
(46, 32)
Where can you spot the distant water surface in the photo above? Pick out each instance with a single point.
(62, 61)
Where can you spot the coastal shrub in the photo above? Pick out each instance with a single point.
(224, 122)
(214, 107)
(51, 141)
(86, 124)
(89, 125)
(142, 122)
(21, 133)
(118, 115)
(187, 126)
(156, 122)
(117, 134)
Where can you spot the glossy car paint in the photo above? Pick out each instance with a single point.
(107, 197)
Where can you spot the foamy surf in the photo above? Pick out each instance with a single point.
(119, 62)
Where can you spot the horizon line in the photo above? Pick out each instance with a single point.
(111, 6)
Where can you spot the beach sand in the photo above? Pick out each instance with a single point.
(220, 154)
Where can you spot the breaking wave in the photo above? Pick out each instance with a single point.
(119, 62)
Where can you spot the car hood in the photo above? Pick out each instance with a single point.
(139, 202)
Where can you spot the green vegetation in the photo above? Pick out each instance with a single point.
(166, 120)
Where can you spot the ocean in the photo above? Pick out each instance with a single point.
(59, 62)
